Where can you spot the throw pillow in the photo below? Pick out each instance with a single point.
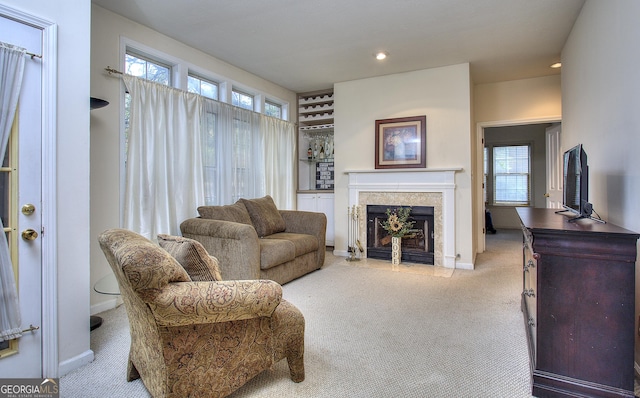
(192, 256)
(264, 215)
(235, 213)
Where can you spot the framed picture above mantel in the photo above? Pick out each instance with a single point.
(401, 142)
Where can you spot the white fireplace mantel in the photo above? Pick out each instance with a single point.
(413, 181)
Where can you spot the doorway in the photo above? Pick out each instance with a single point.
(505, 135)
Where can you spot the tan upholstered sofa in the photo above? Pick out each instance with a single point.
(255, 240)
(193, 335)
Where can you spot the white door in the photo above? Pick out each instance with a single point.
(554, 167)
(20, 182)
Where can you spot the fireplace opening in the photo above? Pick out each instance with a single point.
(417, 247)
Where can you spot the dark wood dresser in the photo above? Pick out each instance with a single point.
(578, 304)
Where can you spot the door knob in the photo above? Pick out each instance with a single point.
(29, 234)
(546, 195)
(28, 209)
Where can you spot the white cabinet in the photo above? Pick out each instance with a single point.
(321, 203)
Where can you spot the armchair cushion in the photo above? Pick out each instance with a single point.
(234, 213)
(264, 214)
(192, 256)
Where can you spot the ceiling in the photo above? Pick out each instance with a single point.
(307, 45)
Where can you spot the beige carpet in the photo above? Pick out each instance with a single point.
(373, 332)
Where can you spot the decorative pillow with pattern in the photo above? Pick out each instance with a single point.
(192, 256)
(265, 216)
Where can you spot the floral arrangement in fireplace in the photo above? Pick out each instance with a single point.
(397, 224)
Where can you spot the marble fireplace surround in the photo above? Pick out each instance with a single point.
(408, 187)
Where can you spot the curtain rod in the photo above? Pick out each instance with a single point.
(32, 55)
(111, 70)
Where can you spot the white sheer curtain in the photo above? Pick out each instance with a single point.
(280, 157)
(233, 153)
(12, 61)
(185, 151)
(164, 184)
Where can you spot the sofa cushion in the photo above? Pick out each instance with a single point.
(264, 214)
(302, 243)
(192, 256)
(275, 252)
(235, 213)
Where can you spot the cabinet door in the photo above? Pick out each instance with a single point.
(306, 202)
(325, 205)
(321, 203)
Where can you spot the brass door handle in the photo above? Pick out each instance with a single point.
(546, 195)
(29, 234)
(28, 209)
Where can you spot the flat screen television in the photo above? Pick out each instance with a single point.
(576, 182)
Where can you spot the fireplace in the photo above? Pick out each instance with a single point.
(417, 247)
(411, 187)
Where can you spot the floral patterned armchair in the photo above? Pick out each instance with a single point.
(192, 337)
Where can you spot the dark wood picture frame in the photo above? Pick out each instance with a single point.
(401, 143)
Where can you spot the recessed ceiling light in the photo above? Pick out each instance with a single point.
(381, 55)
(556, 65)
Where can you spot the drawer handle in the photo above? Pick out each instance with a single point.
(529, 264)
(529, 292)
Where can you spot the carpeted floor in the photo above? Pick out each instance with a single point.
(371, 332)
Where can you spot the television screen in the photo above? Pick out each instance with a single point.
(576, 180)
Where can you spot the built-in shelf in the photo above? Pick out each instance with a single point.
(315, 136)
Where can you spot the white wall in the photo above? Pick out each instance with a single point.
(601, 99)
(601, 103)
(514, 102)
(444, 96)
(73, 19)
(106, 32)
(518, 100)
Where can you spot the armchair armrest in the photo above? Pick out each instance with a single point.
(235, 245)
(187, 303)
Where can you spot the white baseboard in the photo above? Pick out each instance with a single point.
(74, 363)
(105, 305)
(468, 266)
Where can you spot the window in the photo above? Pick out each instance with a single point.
(272, 109)
(209, 158)
(137, 65)
(230, 135)
(204, 87)
(243, 100)
(511, 176)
